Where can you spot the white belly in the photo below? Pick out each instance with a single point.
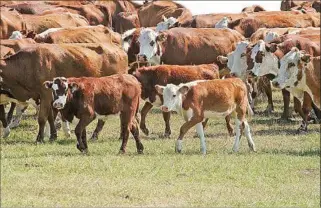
(211, 114)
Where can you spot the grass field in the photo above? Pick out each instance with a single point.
(285, 171)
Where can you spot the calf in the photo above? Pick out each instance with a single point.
(203, 99)
(88, 98)
(301, 75)
(170, 74)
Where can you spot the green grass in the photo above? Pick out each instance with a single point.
(285, 171)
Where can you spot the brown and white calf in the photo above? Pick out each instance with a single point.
(202, 99)
(301, 74)
(171, 74)
(88, 98)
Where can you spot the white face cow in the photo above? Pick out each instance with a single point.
(270, 36)
(59, 87)
(265, 62)
(166, 24)
(223, 23)
(290, 74)
(150, 49)
(127, 38)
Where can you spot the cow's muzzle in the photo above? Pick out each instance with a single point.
(58, 105)
(164, 108)
(142, 57)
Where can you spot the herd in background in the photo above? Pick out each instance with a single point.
(78, 59)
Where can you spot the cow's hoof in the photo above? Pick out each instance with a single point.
(6, 132)
(121, 152)
(145, 131)
(84, 151)
(94, 138)
(165, 136)
(301, 131)
(231, 133)
(53, 138)
(178, 150)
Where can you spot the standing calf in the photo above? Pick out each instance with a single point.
(88, 98)
(203, 99)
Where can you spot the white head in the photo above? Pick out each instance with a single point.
(223, 23)
(16, 35)
(166, 24)
(265, 62)
(127, 38)
(150, 49)
(59, 87)
(291, 73)
(270, 36)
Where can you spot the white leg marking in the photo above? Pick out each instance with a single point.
(6, 132)
(16, 121)
(47, 130)
(200, 132)
(66, 128)
(179, 145)
(237, 136)
(248, 135)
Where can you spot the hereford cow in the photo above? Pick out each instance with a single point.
(83, 34)
(300, 73)
(170, 74)
(151, 13)
(88, 98)
(24, 72)
(198, 100)
(185, 46)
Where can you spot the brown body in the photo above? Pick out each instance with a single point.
(151, 13)
(10, 21)
(209, 20)
(125, 21)
(24, 72)
(17, 45)
(86, 34)
(253, 8)
(170, 74)
(104, 96)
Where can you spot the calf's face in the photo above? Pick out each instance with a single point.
(59, 87)
(172, 95)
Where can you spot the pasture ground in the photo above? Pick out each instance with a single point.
(285, 171)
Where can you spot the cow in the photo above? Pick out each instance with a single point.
(253, 8)
(186, 46)
(166, 24)
(151, 13)
(88, 98)
(170, 74)
(300, 73)
(17, 45)
(24, 72)
(209, 20)
(247, 26)
(202, 99)
(83, 34)
(125, 21)
(11, 21)
(5, 51)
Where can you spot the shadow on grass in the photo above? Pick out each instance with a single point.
(304, 153)
(272, 121)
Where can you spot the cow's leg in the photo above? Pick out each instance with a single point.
(99, 127)
(248, 135)
(306, 108)
(286, 105)
(66, 128)
(42, 118)
(147, 106)
(200, 132)
(204, 123)
(268, 92)
(236, 144)
(51, 121)
(10, 113)
(84, 140)
(166, 117)
(135, 132)
(229, 126)
(20, 109)
(125, 122)
(4, 122)
(79, 130)
(315, 114)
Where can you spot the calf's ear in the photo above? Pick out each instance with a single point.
(73, 86)
(222, 59)
(48, 84)
(306, 58)
(161, 37)
(184, 90)
(159, 89)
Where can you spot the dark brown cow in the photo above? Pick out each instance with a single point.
(185, 46)
(253, 8)
(88, 98)
(125, 21)
(151, 13)
(170, 74)
(198, 100)
(10, 20)
(247, 26)
(24, 72)
(84, 34)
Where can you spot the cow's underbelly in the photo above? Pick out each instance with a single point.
(106, 117)
(213, 113)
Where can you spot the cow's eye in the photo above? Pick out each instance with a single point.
(243, 54)
(174, 95)
(291, 65)
(152, 43)
(262, 53)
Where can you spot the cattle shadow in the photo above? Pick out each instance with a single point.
(300, 153)
(272, 121)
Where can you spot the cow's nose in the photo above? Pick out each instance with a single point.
(252, 74)
(164, 108)
(57, 105)
(275, 84)
(142, 57)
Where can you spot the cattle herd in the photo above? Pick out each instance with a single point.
(82, 60)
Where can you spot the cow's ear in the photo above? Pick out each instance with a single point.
(273, 47)
(306, 57)
(32, 34)
(73, 86)
(161, 37)
(48, 84)
(184, 90)
(268, 47)
(159, 89)
(222, 59)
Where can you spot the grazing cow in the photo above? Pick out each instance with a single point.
(24, 72)
(198, 100)
(247, 26)
(170, 74)
(11, 21)
(88, 98)
(151, 13)
(300, 73)
(83, 34)
(253, 8)
(185, 46)
(125, 21)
